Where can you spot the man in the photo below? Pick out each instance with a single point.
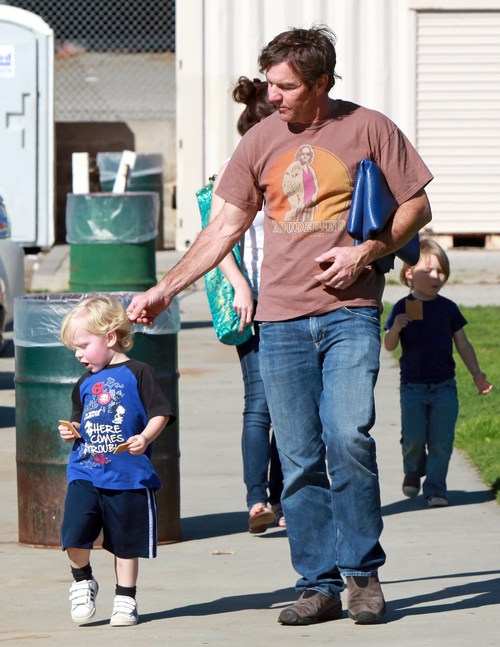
(319, 306)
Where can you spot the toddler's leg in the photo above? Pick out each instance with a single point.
(83, 591)
(443, 413)
(125, 605)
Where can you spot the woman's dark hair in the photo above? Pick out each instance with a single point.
(254, 95)
(309, 52)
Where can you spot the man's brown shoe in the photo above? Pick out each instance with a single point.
(365, 600)
(310, 608)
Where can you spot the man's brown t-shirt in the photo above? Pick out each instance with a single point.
(304, 181)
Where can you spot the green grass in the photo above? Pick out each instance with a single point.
(478, 425)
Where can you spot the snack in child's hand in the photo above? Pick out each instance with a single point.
(71, 427)
(415, 309)
(122, 447)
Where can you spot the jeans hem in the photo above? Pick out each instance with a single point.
(333, 595)
(352, 573)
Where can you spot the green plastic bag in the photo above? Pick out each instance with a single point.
(220, 292)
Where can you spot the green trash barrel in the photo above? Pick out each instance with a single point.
(112, 239)
(147, 175)
(45, 374)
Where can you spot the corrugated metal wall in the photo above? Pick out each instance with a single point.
(218, 40)
(458, 117)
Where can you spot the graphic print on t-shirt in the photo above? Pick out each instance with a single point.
(309, 188)
(102, 421)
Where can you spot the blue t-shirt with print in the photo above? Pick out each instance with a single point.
(427, 344)
(112, 405)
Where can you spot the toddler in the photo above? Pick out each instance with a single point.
(428, 325)
(118, 410)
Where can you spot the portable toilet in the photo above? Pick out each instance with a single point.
(27, 125)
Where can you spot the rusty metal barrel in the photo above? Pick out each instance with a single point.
(45, 374)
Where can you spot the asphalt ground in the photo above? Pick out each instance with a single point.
(220, 586)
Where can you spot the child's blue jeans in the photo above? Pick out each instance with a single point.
(428, 416)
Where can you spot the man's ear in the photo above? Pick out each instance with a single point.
(321, 83)
(409, 276)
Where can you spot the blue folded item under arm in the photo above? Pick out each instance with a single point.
(373, 205)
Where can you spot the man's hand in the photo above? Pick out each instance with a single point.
(144, 308)
(341, 265)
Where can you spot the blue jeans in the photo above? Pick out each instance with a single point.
(428, 416)
(261, 463)
(319, 374)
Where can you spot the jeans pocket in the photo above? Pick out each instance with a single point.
(366, 312)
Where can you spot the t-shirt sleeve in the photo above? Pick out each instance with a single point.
(76, 401)
(239, 185)
(405, 171)
(458, 321)
(152, 395)
(396, 310)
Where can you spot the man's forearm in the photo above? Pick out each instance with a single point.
(409, 218)
(211, 246)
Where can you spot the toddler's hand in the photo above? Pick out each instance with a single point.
(401, 321)
(65, 433)
(137, 445)
(482, 384)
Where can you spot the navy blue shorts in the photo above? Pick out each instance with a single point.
(128, 520)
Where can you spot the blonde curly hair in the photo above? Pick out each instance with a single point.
(101, 315)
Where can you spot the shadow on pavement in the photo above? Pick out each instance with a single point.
(455, 497)
(470, 595)
(6, 380)
(273, 599)
(213, 525)
(7, 417)
(221, 524)
(187, 325)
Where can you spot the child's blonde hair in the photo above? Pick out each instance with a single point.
(101, 315)
(428, 247)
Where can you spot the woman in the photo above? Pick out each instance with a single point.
(261, 465)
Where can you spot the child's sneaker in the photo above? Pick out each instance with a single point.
(411, 486)
(124, 611)
(82, 597)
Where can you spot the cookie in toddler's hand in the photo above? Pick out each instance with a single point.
(69, 425)
(122, 447)
(415, 309)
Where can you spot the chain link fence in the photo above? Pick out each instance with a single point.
(114, 59)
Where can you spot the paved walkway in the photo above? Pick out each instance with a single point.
(221, 586)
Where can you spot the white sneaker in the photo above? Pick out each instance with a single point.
(124, 611)
(82, 597)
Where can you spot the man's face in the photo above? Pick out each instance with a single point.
(296, 103)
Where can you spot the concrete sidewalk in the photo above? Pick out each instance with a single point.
(221, 586)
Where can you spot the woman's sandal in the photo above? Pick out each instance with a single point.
(260, 518)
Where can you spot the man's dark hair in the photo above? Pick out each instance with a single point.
(310, 53)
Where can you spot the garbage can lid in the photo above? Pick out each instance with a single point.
(38, 318)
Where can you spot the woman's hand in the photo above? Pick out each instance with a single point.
(243, 304)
